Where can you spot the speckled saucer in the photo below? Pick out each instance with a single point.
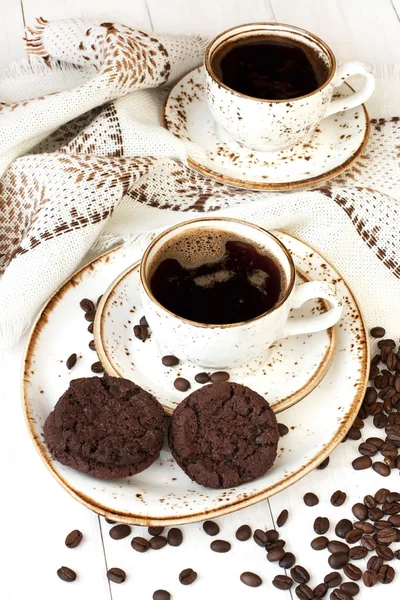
(291, 372)
(332, 148)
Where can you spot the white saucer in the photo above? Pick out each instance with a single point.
(290, 374)
(332, 148)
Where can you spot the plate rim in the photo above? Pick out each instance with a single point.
(254, 185)
(249, 500)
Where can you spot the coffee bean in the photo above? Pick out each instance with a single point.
(369, 501)
(219, 376)
(282, 429)
(116, 575)
(342, 527)
(288, 561)
(320, 590)
(396, 554)
(375, 441)
(394, 520)
(243, 533)
(338, 560)
(157, 542)
(212, 528)
(386, 536)
(142, 321)
(380, 421)
(119, 532)
(86, 305)
(384, 552)
(391, 508)
(272, 535)
(277, 544)
(282, 582)
(92, 346)
(358, 423)
(358, 553)
(251, 579)
(364, 527)
(303, 592)
(73, 539)
(139, 544)
(324, 464)
(350, 587)
(353, 536)
(352, 572)
(66, 574)
(202, 378)
(386, 343)
(90, 315)
(360, 511)
(71, 361)
(97, 367)
(393, 497)
(310, 499)
(386, 574)
(155, 530)
(335, 546)
(174, 537)
(141, 332)
(161, 595)
(333, 579)
(368, 542)
(187, 576)
(169, 360)
(300, 574)
(90, 328)
(354, 433)
(340, 595)
(370, 395)
(321, 525)
(381, 495)
(222, 546)
(378, 332)
(375, 514)
(282, 518)
(367, 449)
(381, 468)
(373, 372)
(319, 543)
(181, 384)
(370, 578)
(259, 536)
(338, 498)
(275, 554)
(391, 361)
(361, 463)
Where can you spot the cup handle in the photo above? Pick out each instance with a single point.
(308, 291)
(343, 72)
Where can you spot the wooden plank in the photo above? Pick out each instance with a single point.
(11, 33)
(206, 17)
(356, 29)
(133, 12)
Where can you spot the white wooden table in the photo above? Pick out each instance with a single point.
(36, 513)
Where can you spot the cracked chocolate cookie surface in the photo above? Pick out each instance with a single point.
(224, 434)
(105, 426)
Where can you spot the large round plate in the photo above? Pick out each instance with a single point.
(163, 494)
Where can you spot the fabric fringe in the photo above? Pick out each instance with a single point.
(34, 38)
(202, 43)
(34, 65)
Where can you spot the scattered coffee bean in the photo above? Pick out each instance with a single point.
(319, 543)
(367, 449)
(370, 395)
(243, 533)
(202, 378)
(97, 367)
(282, 429)
(300, 574)
(219, 376)
(380, 421)
(394, 520)
(92, 346)
(353, 536)
(386, 536)
(350, 587)
(174, 537)
(119, 532)
(378, 332)
(275, 554)
(384, 552)
(142, 321)
(282, 518)
(90, 315)
(169, 360)
(181, 384)
(187, 576)
(361, 463)
(310, 499)
(66, 574)
(358, 553)
(342, 527)
(360, 511)
(374, 563)
(90, 328)
(354, 433)
(335, 546)
(155, 530)
(304, 592)
(370, 578)
(73, 539)
(321, 525)
(141, 332)
(109, 521)
(386, 574)
(71, 361)
(364, 526)
(352, 572)
(333, 579)
(251, 579)
(338, 498)
(157, 542)
(368, 542)
(212, 528)
(324, 464)
(116, 575)
(282, 582)
(338, 560)
(396, 554)
(260, 537)
(140, 544)
(391, 508)
(340, 595)
(369, 501)
(161, 595)
(288, 561)
(86, 305)
(272, 535)
(381, 495)
(320, 590)
(220, 546)
(393, 497)
(381, 468)
(277, 544)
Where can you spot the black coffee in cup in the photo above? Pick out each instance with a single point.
(270, 67)
(211, 276)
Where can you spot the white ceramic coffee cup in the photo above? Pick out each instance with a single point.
(271, 125)
(234, 345)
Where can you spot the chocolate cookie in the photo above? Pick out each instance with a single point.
(224, 434)
(106, 427)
